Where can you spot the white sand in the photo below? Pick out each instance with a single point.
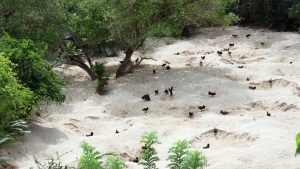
(267, 142)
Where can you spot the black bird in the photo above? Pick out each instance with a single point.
(262, 43)
(211, 93)
(241, 66)
(291, 62)
(136, 160)
(270, 81)
(121, 61)
(201, 107)
(136, 60)
(268, 114)
(177, 53)
(166, 91)
(224, 112)
(168, 67)
(226, 49)
(171, 92)
(156, 91)
(117, 131)
(203, 57)
(144, 147)
(145, 109)
(172, 88)
(248, 35)
(235, 36)
(229, 53)
(247, 79)
(206, 147)
(231, 44)
(153, 71)
(191, 114)
(146, 97)
(163, 65)
(215, 130)
(219, 52)
(90, 134)
(252, 87)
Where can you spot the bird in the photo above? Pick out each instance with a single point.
(241, 66)
(136, 60)
(166, 91)
(270, 81)
(121, 61)
(117, 131)
(229, 53)
(90, 134)
(136, 160)
(163, 65)
(144, 147)
(252, 87)
(268, 114)
(219, 52)
(146, 97)
(235, 36)
(215, 130)
(156, 91)
(201, 107)
(231, 44)
(177, 53)
(203, 57)
(262, 43)
(168, 67)
(226, 49)
(206, 147)
(153, 71)
(291, 62)
(191, 114)
(247, 79)
(172, 88)
(145, 109)
(171, 92)
(224, 112)
(211, 93)
(248, 35)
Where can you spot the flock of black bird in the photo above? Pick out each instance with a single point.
(146, 97)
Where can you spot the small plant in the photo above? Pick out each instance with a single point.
(102, 76)
(115, 162)
(149, 157)
(298, 145)
(52, 163)
(90, 158)
(178, 150)
(194, 160)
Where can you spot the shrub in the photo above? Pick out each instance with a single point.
(52, 163)
(178, 150)
(194, 160)
(149, 157)
(102, 76)
(298, 145)
(115, 162)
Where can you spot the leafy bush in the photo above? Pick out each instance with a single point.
(298, 145)
(115, 162)
(90, 158)
(194, 160)
(102, 76)
(178, 150)
(31, 70)
(149, 157)
(52, 163)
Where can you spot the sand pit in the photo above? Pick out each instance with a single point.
(247, 137)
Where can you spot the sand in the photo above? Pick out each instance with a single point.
(247, 137)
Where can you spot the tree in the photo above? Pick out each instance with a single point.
(130, 22)
(178, 150)
(149, 157)
(31, 70)
(194, 160)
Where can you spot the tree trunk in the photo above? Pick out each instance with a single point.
(81, 64)
(127, 60)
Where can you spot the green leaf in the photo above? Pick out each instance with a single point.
(298, 139)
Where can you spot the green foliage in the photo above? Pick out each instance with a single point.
(115, 162)
(149, 157)
(31, 70)
(298, 145)
(52, 163)
(194, 160)
(102, 75)
(54, 58)
(7, 140)
(178, 150)
(15, 100)
(90, 159)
